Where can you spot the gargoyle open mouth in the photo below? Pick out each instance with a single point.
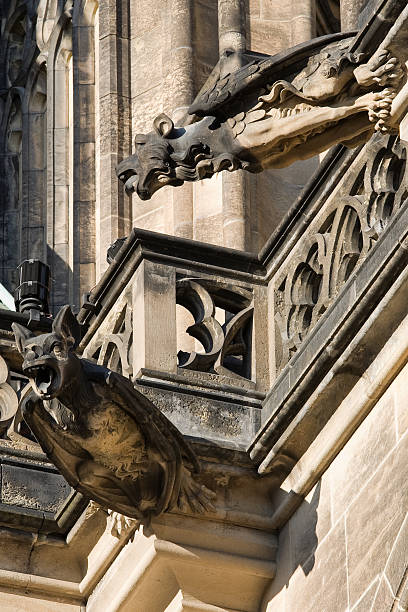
(46, 380)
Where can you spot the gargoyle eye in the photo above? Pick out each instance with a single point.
(57, 348)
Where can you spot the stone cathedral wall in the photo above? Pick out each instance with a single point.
(324, 527)
(345, 548)
(79, 81)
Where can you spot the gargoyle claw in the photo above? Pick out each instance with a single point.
(381, 69)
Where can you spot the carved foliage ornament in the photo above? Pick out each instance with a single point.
(274, 111)
(107, 439)
(327, 258)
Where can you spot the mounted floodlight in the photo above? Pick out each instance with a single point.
(34, 286)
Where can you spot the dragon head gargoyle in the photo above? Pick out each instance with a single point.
(49, 359)
(151, 166)
(107, 439)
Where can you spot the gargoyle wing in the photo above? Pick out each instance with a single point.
(165, 444)
(257, 72)
(76, 464)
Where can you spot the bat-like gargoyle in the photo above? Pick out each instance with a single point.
(107, 439)
(274, 110)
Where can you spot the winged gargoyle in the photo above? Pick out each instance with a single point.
(272, 112)
(107, 439)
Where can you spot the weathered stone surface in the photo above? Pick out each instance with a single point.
(374, 519)
(366, 600)
(325, 575)
(22, 486)
(399, 394)
(12, 601)
(147, 60)
(369, 446)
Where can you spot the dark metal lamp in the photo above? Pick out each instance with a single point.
(34, 287)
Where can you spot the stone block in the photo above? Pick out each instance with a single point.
(61, 156)
(213, 418)
(85, 49)
(114, 66)
(86, 162)
(17, 602)
(273, 10)
(302, 29)
(150, 217)
(61, 212)
(398, 560)
(384, 599)
(154, 318)
(275, 595)
(374, 520)
(35, 242)
(269, 38)
(311, 523)
(60, 92)
(145, 17)
(205, 35)
(37, 151)
(107, 66)
(35, 215)
(366, 600)
(86, 221)
(145, 107)
(84, 108)
(113, 199)
(114, 18)
(254, 8)
(32, 488)
(209, 229)
(320, 583)
(114, 125)
(146, 62)
(179, 80)
(86, 277)
(399, 391)
(362, 455)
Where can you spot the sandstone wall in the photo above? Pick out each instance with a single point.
(78, 83)
(346, 546)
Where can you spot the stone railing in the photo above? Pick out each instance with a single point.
(263, 331)
(336, 269)
(187, 322)
(337, 241)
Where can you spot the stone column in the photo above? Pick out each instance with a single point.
(303, 22)
(231, 32)
(113, 97)
(349, 13)
(182, 95)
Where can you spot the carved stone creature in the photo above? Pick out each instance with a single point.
(107, 439)
(270, 113)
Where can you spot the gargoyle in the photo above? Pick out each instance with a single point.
(270, 113)
(107, 439)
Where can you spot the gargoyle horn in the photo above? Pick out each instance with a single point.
(21, 335)
(163, 125)
(66, 325)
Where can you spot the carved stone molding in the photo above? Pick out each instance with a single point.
(120, 525)
(326, 258)
(227, 346)
(8, 399)
(112, 346)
